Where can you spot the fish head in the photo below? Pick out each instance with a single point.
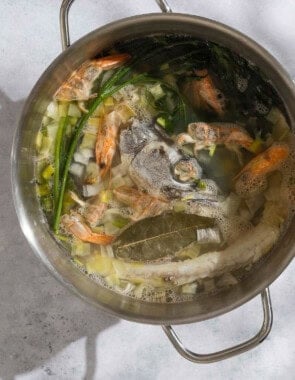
(133, 139)
(187, 169)
(152, 169)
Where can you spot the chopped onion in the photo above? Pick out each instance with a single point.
(208, 235)
(88, 141)
(157, 91)
(74, 110)
(91, 190)
(52, 110)
(190, 251)
(112, 280)
(125, 112)
(102, 265)
(79, 157)
(109, 103)
(45, 121)
(80, 248)
(92, 173)
(77, 169)
(87, 152)
(128, 288)
(47, 148)
(134, 98)
(92, 129)
(179, 206)
(138, 292)
(52, 130)
(106, 251)
(105, 196)
(62, 109)
(189, 288)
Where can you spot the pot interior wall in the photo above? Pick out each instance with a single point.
(32, 219)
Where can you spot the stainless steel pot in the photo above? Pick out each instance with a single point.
(32, 220)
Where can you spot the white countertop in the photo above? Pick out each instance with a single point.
(48, 333)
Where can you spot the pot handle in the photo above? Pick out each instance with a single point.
(228, 352)
(64, 19)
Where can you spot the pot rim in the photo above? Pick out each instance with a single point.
(24, 218)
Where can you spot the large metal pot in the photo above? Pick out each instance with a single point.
(32, 220)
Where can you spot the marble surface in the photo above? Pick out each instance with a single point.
(48, 333)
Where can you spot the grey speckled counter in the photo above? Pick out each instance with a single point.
(48, 333)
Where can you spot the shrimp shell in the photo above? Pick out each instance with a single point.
(253, 175)
(205, 95)
(143, 205)
(207, 134)
(106, 142)
(74, 225)
(78, 86)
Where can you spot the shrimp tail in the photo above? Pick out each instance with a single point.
(75, 226)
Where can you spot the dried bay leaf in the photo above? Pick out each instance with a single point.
(158, 237)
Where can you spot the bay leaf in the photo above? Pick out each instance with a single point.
(160, 236)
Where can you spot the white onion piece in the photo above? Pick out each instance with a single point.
(77, 169)
(86, 152)
(91, 129)
(92, 173)
(189, 288)
(208, 235)
(128, 288)
(107, 251)
(91, 190)
(52, 110)
(52, 129)
(78, 157)
(74, 110)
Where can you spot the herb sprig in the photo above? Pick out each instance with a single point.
(121, 78)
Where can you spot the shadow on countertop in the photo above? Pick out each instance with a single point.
(38, 317)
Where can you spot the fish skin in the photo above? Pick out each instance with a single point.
(152, 155)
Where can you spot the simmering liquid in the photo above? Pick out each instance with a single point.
(165, 167)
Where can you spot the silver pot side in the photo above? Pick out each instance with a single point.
(31, 218)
